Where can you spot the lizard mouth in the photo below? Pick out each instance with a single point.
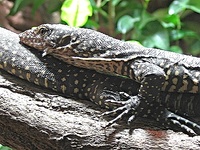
(32, 39)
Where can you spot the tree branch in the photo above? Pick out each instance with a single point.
(35, 118)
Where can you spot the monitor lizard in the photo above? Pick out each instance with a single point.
(154, 69)
(87, 84)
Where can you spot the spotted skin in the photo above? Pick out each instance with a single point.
(82, 83)
(155, 70)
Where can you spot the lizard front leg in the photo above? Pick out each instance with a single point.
(156, 111)
(151, 77)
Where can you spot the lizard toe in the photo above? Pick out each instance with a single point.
(128, 109)
(186, 125)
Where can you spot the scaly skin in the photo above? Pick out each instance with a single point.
(58, 39)
(154, 69)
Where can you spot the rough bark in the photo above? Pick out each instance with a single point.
(36, 118)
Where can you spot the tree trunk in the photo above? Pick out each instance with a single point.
(35, 118)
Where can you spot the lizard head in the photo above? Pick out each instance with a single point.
(47, 37)
(71, 41)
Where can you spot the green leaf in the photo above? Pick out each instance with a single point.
(91, 24)
(175, 49)
(177, 6)
(180, 34)
(194, 49)
(126, 23)
(148, 42)
(166, 19)
(160, 13)
(55, 5)
(159, 39)
(18, 5)
(171, 21)
(4, 147)
(180, 5)
(116, 2)
(36, 5)
(134, 42)
(76, 12)
(145, 19)
(194, 5)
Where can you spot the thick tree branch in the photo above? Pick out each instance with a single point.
(35, 118)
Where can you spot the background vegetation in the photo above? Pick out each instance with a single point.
(167, 24)
(4, 147)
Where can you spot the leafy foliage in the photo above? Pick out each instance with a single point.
(19, 4)
(4, 147)
(76, 12)
(170, 27)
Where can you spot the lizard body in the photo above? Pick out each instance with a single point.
(154, 69)
(93, 50)
(81, 83)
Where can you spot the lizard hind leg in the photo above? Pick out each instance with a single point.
(174, 121)
(188, 126)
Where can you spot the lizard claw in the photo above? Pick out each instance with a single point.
(171, 120)
(184, 127)
(187, 125)
(127, 108)
(116, 99)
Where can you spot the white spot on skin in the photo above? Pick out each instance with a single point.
(28, 76)
(27, 68)
(162, 64)
(63, 79)
(63, 88)
(90, 42)
(13, 59)
(109, 46)
(28, 58)
(76, 82)
(5, 64)
(165, 85)
(75, 75)
(36, 81)
(83, 85)
(184, 87)
(197, 74)
(100, 103)
(195, 81)
(168, 72)
(14, 52)
(176, 73)
(13, 71)
(86, 94)
(175, 81)
(59, 70)
(46, 82)
(76, 90)
(166, 77)
(194, 89)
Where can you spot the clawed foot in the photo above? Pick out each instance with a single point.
(127, 106)
(186, 125)
(172, 120)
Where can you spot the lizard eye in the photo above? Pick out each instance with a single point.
(44, 31)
